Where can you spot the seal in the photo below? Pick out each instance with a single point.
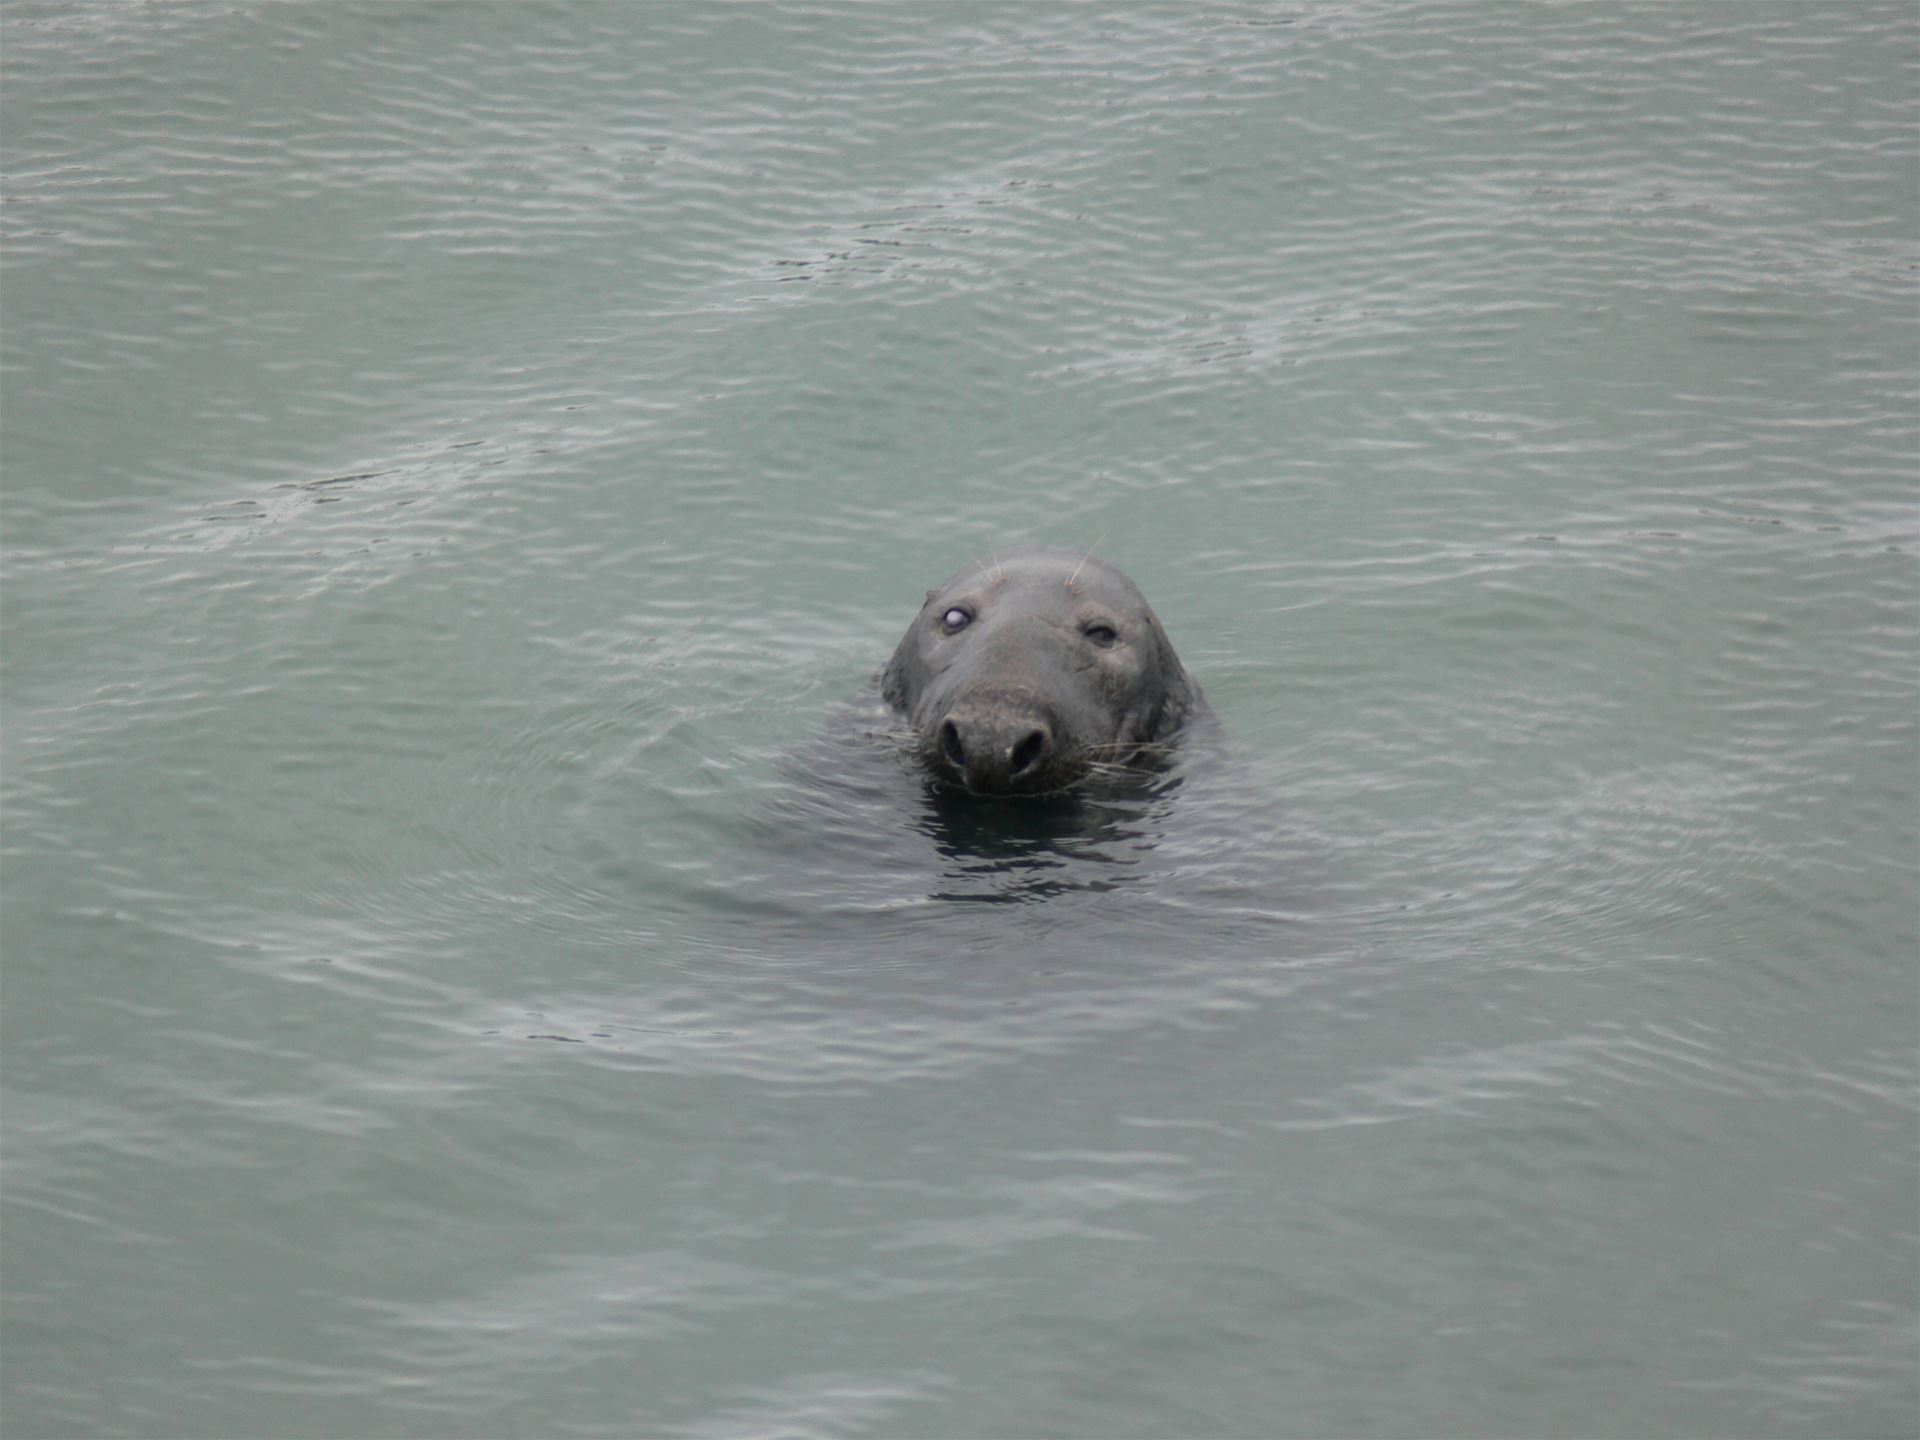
(1030, 674)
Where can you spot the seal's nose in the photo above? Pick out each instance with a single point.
(997, 748)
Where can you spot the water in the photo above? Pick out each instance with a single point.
(456, 457)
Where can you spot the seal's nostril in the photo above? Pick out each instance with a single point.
(950, 743)
(1028, 753)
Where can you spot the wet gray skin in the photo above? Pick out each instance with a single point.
(1035, 670)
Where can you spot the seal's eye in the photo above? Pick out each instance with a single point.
(956, 619)
(1101, 634)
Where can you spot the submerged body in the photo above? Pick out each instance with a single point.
(1027, 675)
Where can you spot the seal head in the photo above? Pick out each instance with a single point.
(1028, 674)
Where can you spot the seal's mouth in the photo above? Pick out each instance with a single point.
(1064, 790)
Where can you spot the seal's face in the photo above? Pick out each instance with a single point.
(1035, 670)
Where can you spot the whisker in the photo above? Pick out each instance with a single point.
(1110, 770)
(1125, 747)
(1083, 561)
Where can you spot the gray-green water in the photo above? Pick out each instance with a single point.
(453, 454)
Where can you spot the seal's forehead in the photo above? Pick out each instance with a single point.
(1035, 571)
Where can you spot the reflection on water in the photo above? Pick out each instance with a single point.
(999, 852)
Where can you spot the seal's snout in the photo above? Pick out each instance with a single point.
(999, 745)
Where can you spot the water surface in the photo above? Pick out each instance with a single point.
(456, 457)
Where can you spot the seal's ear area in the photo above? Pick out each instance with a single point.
(1179, 696)
(1174, 706)
(893, 685)
(930, 595)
